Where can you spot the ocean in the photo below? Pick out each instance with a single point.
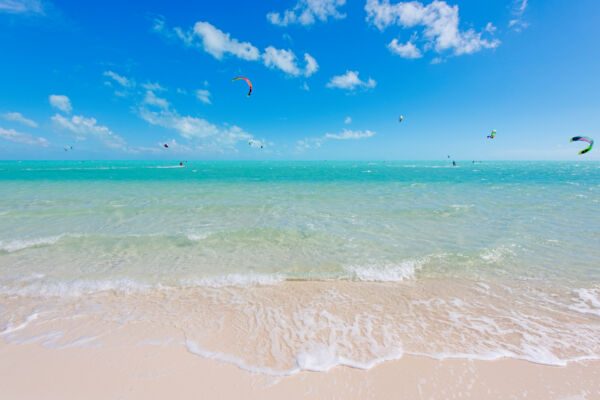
(280, 267)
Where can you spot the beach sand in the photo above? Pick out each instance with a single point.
(29, 371)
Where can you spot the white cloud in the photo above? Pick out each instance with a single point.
(153, 100)
(25, 138)
(350, 81)
(83, 128)
(407, 50)
(218, 44)
(61, 102)
(285, 60)
(21, 6)
(348, 120)
(490, 28)
(121, 80)
(192, 128)
(519, 7)
(311, 65)
(440, 23)
(155, 87)
(306, 12)
(203, 95)
(346, 134)
(18, 117)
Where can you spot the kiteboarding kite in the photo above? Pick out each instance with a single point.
(247, 80)
(400, 118)
(584, 139)
(67, 148)
(492, 135)
(166, 146)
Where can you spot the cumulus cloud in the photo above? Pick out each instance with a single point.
(121, 80)
(82, 128)
(346, 134)
(192, 128)
(203, 95)
(348, 120)
(286, 61)
(213, 40)
(154, 87)
(24, 138)
(153, 100)
(219, 44)
(517, 23)
(350, 81)
(306, 12)
(22, 7)
(61, 102)
(311, 65)
(440, 23)
(406, 50)
(18, 117)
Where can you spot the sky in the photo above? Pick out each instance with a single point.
(118, 80)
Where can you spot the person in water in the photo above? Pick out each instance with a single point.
(454, 163)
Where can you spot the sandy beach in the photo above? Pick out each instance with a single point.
(28, 371)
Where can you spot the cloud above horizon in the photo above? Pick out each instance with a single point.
(220, 44)
(518, 9)
(61, 102)
(83, 128)
(346, 134)
(18, 117)
(440, 23)
(22, 138)
(307, 12)
(22, 7)
(350, 81)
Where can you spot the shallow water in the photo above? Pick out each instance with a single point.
(489, 253)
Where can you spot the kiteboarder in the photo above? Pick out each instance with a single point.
(247, 80)
(584, 139)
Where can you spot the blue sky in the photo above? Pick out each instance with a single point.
(115, 79)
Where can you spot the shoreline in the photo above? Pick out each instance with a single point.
(156, 372)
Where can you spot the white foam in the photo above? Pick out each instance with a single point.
(320, 359)
(76, 288)
(384, 273)
(198, 236)
(587, 301)
(10, 328)
(237, 280)
(16, 245)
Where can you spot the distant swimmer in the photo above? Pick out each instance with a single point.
(454, 163)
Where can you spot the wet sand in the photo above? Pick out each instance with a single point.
(29, 371)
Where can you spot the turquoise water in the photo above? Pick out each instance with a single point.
(491, 254)
(313, 220)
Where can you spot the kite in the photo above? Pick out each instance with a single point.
(492, 135)
(166, 146)
(400, 118)
(247, 80)
(584, 139)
